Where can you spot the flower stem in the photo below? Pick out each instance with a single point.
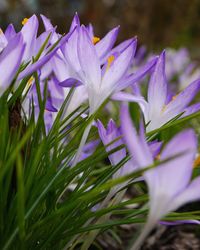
(145, 232)
(82, 144)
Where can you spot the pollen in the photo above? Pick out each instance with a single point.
(158, 157)
(196, 162)
(174, 97)
(95, 40)
(110, 61)
(24, 21)
(30, 81)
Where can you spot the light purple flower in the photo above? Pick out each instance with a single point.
(176, 61)
(158, 110)
(10, 60)
(169, 184)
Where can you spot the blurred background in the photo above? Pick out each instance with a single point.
(157, 23)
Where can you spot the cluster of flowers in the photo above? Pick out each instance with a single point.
(97, 70)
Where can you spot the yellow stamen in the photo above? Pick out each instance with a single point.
(174, 97)
(1, 32)
(165, 106)
(196, 162)
(157, 157)
(110, 60)
(95, 40)
(24, 21)
(30, 81)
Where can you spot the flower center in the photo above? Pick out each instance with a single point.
(24, 21)
(95, 40)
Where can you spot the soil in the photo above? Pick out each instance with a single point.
(182, 237)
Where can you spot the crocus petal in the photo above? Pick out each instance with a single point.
(118, 49)
(181, 101)
(179, 222)
(39, 42)
(90, 30)
(35, 66)
(123, 96)
(89, 60)
(191, 109)
(177, 170)
(109, 135)
(184, 143)
(132, 141)
(10, 60)
(190, 194)
(138, 75)
(49, 106)
(157, 90)
(75, 22)
(47, 23)
(70, 82)
(155, 147)
(119, 68)
(10, 32)
(105, 44)
(48, 26)
(29, 33)
(61, 68)
(70, 51)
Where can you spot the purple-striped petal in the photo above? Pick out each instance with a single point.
(49, 106)
(123, 96)
(10, 60)
(29, 33)
(190, 194)
(89, 60)
(179, 222)
(155, 147)
(10, 32)
(70, 82)
(180, 102)
(184, 144)
(177, 171)
(75, 22)
(35, 66)
(109, 135)
(119, 67)
(49, 27)
(106, 44)
(157, 90)
(118, 49)
(138, 75)
(191, 109)
(142, 156)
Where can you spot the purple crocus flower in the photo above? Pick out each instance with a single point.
(108, 135)
(164, 196)
(92, 62)
(159, 110)
(176, 61)
(190, 74)
(112, 135)
(85, 63)
(11, 54)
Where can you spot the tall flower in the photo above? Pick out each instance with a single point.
(178, 155)
(161, 107)
(10, 60)
(111, 135)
